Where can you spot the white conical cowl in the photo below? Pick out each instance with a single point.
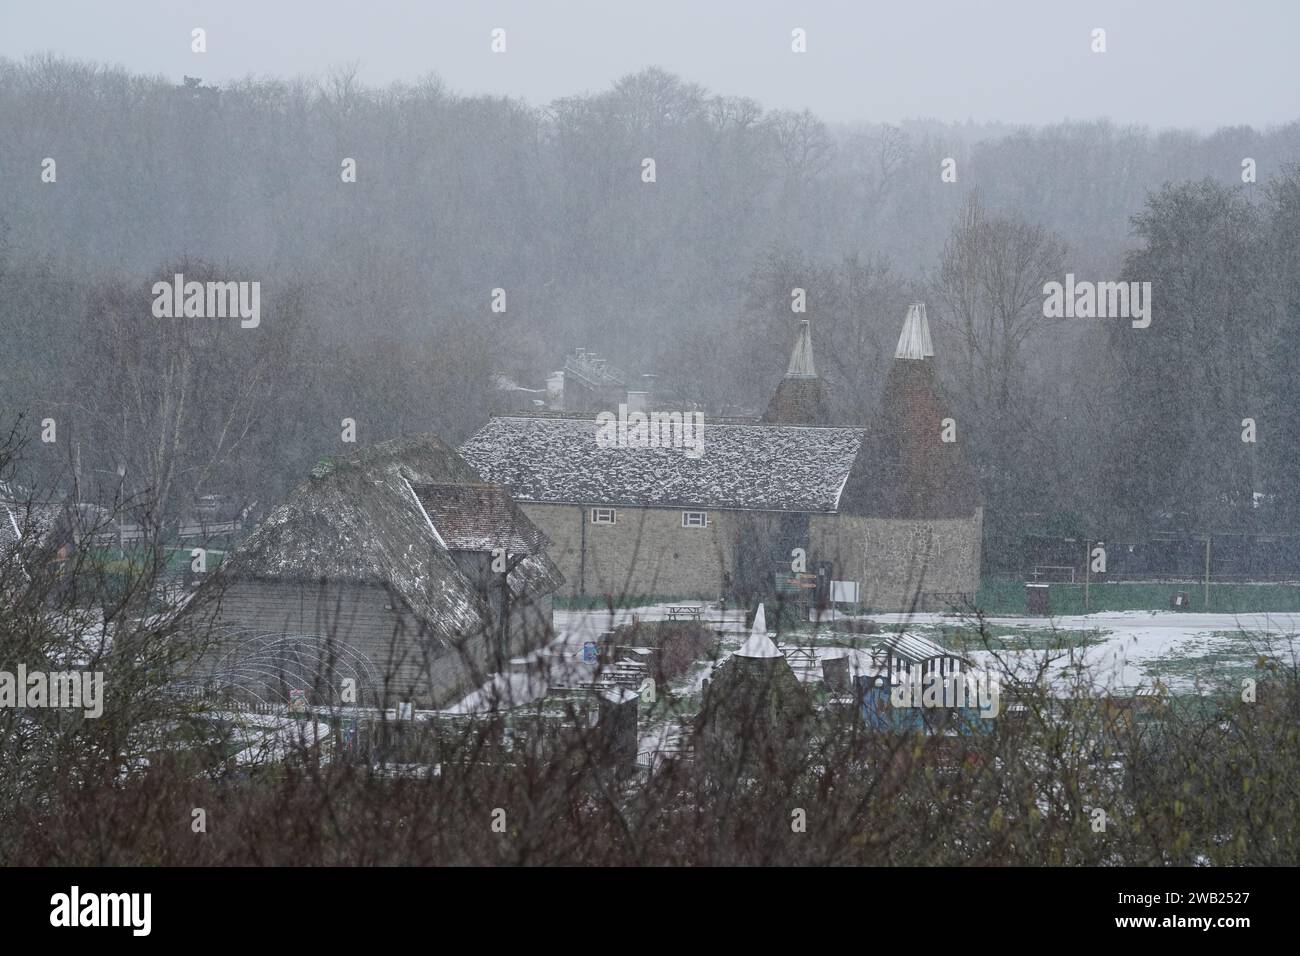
(801, 357)
(914, 341)
(758, 643)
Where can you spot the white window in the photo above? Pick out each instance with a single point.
(602, 515)
(695, 519)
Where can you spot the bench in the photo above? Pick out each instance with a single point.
(685, 612)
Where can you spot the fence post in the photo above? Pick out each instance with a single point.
(1087, 567)
(1207, 570)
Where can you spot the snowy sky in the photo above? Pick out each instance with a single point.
(1183, 63)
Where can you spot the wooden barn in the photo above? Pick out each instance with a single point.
(396, 561)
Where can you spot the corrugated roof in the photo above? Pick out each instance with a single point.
(915, 648)
(753, 467)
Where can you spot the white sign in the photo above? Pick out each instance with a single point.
(844, 592)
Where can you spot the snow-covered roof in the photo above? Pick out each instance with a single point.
(915, 648)
(616, 694)
(751, 467)
(25, 518)
(359, 520)
(478, 517)
(758, 644)
(914, 341)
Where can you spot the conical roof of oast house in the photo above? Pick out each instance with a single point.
(757, 666)
(759, 646)
(801, 357)
(800, 397)
(904, 468)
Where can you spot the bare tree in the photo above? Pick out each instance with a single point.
(989, 293)
(171, 401)
(803, 143)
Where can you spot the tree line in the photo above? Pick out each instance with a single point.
(377, 291)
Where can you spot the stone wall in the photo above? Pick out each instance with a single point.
(900, 561)
(645, 552)
(648, 552)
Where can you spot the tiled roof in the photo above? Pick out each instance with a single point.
(798, 401)
(800, 398)
(477, 517)
(907, 469)
(753, 467)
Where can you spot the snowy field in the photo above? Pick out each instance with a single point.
(1181, 649)
(1128, 650)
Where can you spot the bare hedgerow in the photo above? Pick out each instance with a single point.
(1072, 778)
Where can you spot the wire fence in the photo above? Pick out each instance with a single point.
(1218, 557)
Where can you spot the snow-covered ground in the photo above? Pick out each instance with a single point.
(576, 627)
(561, 661)
(1134, 648)
(1137, 647)
(273, 738)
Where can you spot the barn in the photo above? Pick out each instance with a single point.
(397, 561)
(891, 505)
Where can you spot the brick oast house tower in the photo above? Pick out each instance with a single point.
(890, 506)
(800, 397)
(910, 520)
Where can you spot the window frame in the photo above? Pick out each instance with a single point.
(703, 515)
(613, 516)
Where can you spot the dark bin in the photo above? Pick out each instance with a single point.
(1037, 600)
